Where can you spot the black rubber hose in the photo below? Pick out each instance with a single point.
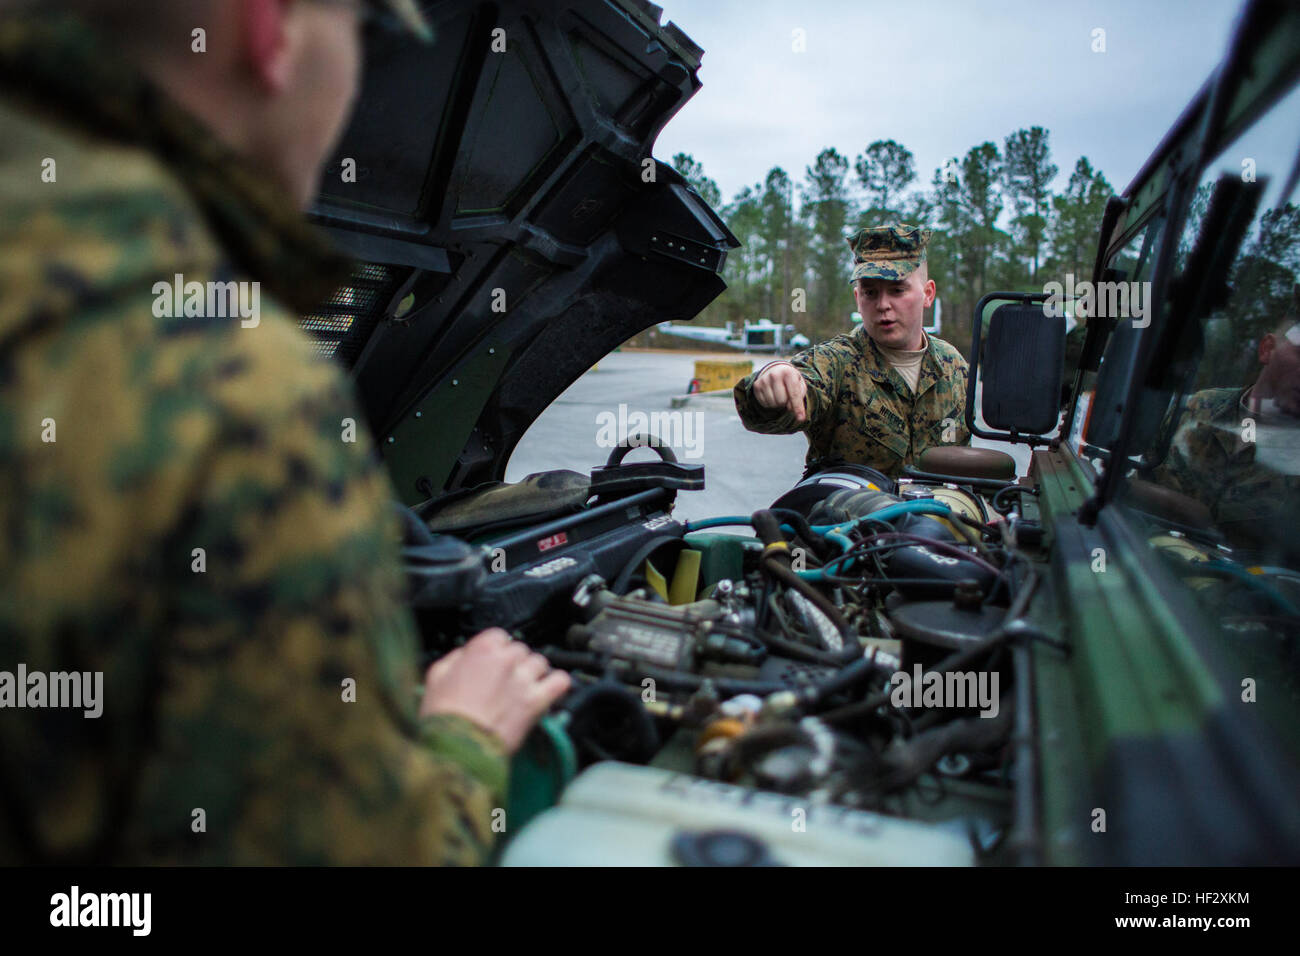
(768, 526)
(782, 572)
(802, 652)
(820, 546)
(898, 768)
(606, 707)
(1016, 489)
(860, 670)
(777, 563)
(726, 686)
(951, 662)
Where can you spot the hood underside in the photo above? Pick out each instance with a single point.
(497, 189)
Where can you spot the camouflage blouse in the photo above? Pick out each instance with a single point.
(861, 410)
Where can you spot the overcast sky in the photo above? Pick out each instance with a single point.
(939, 76)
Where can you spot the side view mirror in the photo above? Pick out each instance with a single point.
(1022, 358)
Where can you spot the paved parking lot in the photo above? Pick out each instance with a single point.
(744, 471)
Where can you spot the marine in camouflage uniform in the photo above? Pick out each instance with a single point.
(1250, 501)
(859, 408)
(223, 688)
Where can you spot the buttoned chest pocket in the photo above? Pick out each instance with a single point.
(872, 414)
(946, 428)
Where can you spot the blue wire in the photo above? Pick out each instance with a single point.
(838, 533)
(884, 514)
(1256, 582)
(717, 523)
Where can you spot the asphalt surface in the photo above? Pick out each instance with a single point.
(744, 471)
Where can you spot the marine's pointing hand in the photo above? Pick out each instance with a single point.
(782, 386)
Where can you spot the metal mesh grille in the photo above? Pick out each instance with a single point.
(342, 324)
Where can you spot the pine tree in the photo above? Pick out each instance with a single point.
(693, 173)
(885, 169)
(1029, 173)
(1076, 220)
(779, 232)
(826, 210)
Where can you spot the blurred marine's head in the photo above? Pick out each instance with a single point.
(1279, 354)
(274, 79)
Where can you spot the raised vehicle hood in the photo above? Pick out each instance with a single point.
(499, 191)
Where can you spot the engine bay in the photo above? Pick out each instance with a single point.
(853, 647)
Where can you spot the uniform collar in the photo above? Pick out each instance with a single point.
(65, 70)
(880, 370)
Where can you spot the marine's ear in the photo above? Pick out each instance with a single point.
(265, 29)
(930, 290)
(1266, 346)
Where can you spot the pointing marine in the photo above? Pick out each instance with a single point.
(881, 394)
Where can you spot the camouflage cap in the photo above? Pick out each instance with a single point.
(407, 14)
(887, 252)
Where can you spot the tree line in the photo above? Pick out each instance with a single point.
(997, 225)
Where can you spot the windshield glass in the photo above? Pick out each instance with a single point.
(1217, 483)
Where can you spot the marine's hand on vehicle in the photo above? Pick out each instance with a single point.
(782, 386)
(498, 683)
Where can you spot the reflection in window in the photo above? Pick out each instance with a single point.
(1218, 486)
(1231, 438)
